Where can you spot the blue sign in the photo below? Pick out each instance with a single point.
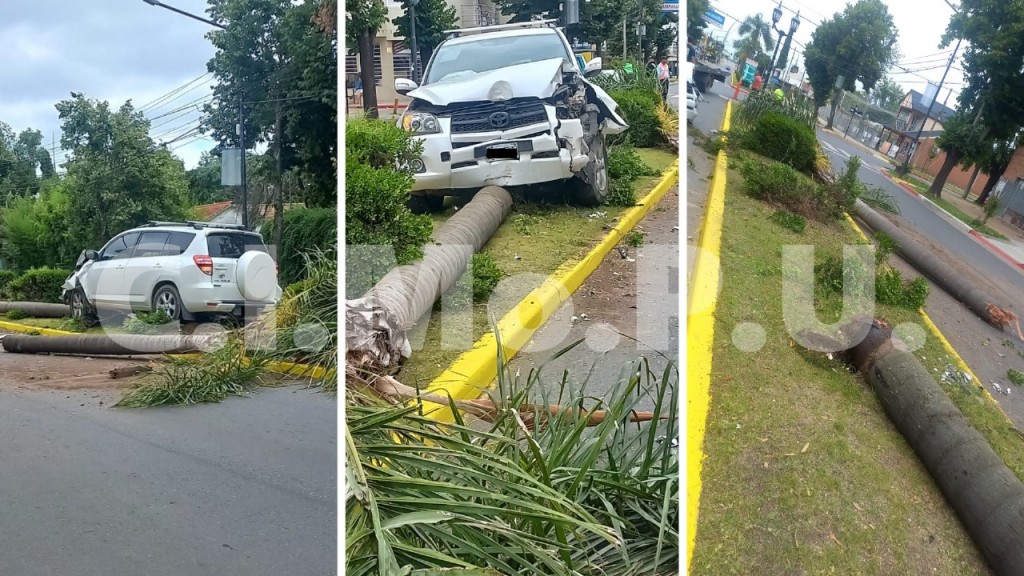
(715, 18)
(670, 6)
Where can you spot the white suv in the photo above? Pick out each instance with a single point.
(508, 105)
(184, 269)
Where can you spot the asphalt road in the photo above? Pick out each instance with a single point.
(928, 223)
(246, 487)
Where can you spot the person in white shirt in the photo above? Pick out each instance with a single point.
(663, 77)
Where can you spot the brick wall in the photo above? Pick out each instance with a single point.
(959, 177)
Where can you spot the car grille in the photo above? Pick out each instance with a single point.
(479, 118)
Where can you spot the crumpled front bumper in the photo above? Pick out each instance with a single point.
(548, 152)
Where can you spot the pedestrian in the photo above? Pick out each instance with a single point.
(779, 95)
(652, 67)
(663, 77)
(357, 91)
(757, 83)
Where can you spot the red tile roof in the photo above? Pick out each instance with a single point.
(208, 211)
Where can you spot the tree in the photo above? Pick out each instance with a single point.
(695, 23)
(362, 20)
(24, 163)
(960, 139)
(887, 94)
(755, 38)
(433, 17)
(599, 22)
(858, 44)
(119, 177)
(997, 162)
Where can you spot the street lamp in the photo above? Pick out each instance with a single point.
(412, 29)
(793, 25)
(241, 114)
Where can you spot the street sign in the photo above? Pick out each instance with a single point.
(715, 18)
(749, 70)
(230, 167)
(670, 6)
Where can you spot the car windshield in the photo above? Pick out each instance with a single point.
(452, 61)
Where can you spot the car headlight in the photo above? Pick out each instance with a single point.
(421, 123)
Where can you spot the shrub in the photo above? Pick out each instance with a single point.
(790, 221)
(634, 239)
(640, 110)
(1015, 376)
(486, 275)
(782, 138)
(886, 246)
(781, 185)
(760, 103)
(17, 314)
(304, 229)
(39, 285)
(377, 185)
(621, 193)
(892, 290)
(73, 325)
(992, 205)
(834, 275)
(6, 277)
(624, 163)
(147, 323)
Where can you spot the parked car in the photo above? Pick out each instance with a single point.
(508, 105)
(185, 269)
(691, 102)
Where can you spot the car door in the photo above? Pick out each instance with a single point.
(105, 282)
(147, 266)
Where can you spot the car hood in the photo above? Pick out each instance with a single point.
(533, 79)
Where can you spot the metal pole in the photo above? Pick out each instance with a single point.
(415, 50)
(771, 63)
(917, 137)
(241, 145)
(183, 13)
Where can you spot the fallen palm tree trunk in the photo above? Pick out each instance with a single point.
(532, 416)
(36, 309)
(986, 495)
(106, 345)
(376, 324)
(932, 266)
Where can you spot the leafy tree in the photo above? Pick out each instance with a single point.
(204, 181)
(997, 162)
(755, 38)
(695, 23)
(600, 22)
(119, 178)
(362, 20)
(858, 43)
(888, 94)
(433, 17)
(960, 139)
(36, 232)
(24, 163)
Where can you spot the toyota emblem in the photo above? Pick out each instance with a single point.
(499, 119)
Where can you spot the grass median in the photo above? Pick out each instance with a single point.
(804, 471)
(536, 238)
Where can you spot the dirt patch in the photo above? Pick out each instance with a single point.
(51, 372)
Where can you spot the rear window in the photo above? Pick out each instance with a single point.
(233, 244)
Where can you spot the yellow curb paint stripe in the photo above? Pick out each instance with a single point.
(934, 329)
(700, 327)
(473, 371)
(286, 368)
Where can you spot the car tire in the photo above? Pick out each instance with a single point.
(425, 204)
(81, 309)
(167, 298)
(592, 184)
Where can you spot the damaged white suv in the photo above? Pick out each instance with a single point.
(509, 106)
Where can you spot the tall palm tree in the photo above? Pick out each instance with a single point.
(756, 37)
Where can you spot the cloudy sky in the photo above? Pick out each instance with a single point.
(921, 24)
(112, 50)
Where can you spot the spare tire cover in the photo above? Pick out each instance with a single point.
(256, 275)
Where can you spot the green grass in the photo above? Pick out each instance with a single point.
(538, 242)
(804, 471)
(55, 324)
(959, 214)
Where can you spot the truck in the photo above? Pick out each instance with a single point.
(705, 74)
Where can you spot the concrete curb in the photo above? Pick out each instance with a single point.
(999, 251)
(700, 336)
(25, 329)
(471, 374)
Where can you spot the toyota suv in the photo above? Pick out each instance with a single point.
(184, 269)
(508, 105)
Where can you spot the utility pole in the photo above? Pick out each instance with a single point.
(241, 146)
(415, 48)
(917, 137)
(278, 184)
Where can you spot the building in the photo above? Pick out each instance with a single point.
(392, 57)
(897, 138)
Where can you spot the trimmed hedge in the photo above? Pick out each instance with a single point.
(640, 109)
(39, 285)
(782, 138)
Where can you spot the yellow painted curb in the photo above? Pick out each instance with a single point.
(945, 343)
(286, 368)
(700, 335)
(474, 370)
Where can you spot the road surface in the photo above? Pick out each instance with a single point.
(246, 487)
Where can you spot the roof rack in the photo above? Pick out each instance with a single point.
(512, 26)
(194, 224)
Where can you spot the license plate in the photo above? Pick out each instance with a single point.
(509, 151)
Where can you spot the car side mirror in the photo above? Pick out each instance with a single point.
(403, 86)
(91, 255)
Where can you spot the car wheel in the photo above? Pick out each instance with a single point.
(81, 310)
(425, 204)
(166, 298)
(592, 183)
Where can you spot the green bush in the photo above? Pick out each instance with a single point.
(760, 103)
(377, 185)
(17, 314)
(624, 163)
(639, 107)
(6, 277)
(892, 290)
(304, 229)
(486, 275)
(39, 285)
(781, 138)
(621, 193)
(886, 247)
(147, 322)
(784, 186)
(1015, 376)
